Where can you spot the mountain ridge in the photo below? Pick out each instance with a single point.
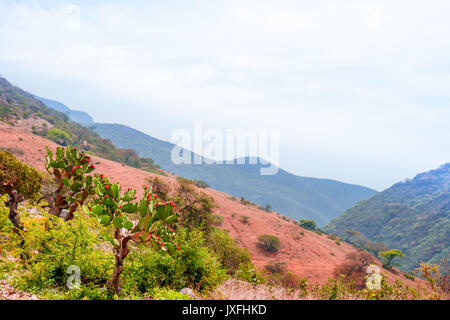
(412, 215)
(295, 196)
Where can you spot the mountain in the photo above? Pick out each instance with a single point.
(78, 116)
(18, 106)
(413, 216)
(294, 196)
(307, 254)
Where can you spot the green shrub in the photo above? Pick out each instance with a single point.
(5, 223)
(168, 294)
(308, 224)
(409, 276)
(194, 266)
(244, 219)
(49, 253)
(230, 255)
(201, 184)
(269, 242)
(59, 136)
(25, 179)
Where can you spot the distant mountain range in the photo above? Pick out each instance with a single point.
(413, 216)
(78, 116)
(292, 195)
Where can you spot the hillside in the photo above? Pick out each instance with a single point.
(413, 216)
(307, 254)
(295, 196)
(17, 104)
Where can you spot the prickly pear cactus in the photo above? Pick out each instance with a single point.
(155, 224)
(70, 168)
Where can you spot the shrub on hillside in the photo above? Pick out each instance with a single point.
(201, 184)
(59, 136)
(194, 266)
(269, 242)
(308, 224)
(353, 268)
(19, 181)
(389, 256)
(230, 255)
(50, 253)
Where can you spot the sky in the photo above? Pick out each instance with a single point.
(358, 90)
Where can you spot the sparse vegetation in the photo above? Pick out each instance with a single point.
(269, 242)
(308, 224)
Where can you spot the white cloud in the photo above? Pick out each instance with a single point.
(350, 80)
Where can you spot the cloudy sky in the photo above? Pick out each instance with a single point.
(359, 90)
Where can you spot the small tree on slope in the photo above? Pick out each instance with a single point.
(155, 224)
(19, 181)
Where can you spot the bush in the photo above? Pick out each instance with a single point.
(49, 253)
(196, 206)
(269, 242)
(227, 251)
(353, 268)
(276, 267)
(59, 136)
(409, 276)
(25, 179)
(308, 224)
(194, 266)
(244, 219)
(200, 184)
(168, 294)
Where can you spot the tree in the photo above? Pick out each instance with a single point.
(308, 224)
(69, 169)
(390, 255)
(353, 267)
(155, 224)
(268, 208)
(269, 242)
(351, 234)
(19, 181)
(196, 206)
(59, 136)
(376, 247)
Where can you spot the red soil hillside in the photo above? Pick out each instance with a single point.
(308, 255)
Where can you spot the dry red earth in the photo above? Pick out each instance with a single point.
(307, 254)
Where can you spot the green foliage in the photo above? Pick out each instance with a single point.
(194, 266)
(230, 255)
(23, 178)
(50, 253)
(196, 206)
(411, 215)
(113, 208)
(5, 223)
(168, 294)
(269, 242)
(308, 224)
(59, 136)
(200, 183)
(388, 256)
(69, 168)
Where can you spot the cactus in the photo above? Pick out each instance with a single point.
(155, 224)
(69, 168)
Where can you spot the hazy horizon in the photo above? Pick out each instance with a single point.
(359, 91)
